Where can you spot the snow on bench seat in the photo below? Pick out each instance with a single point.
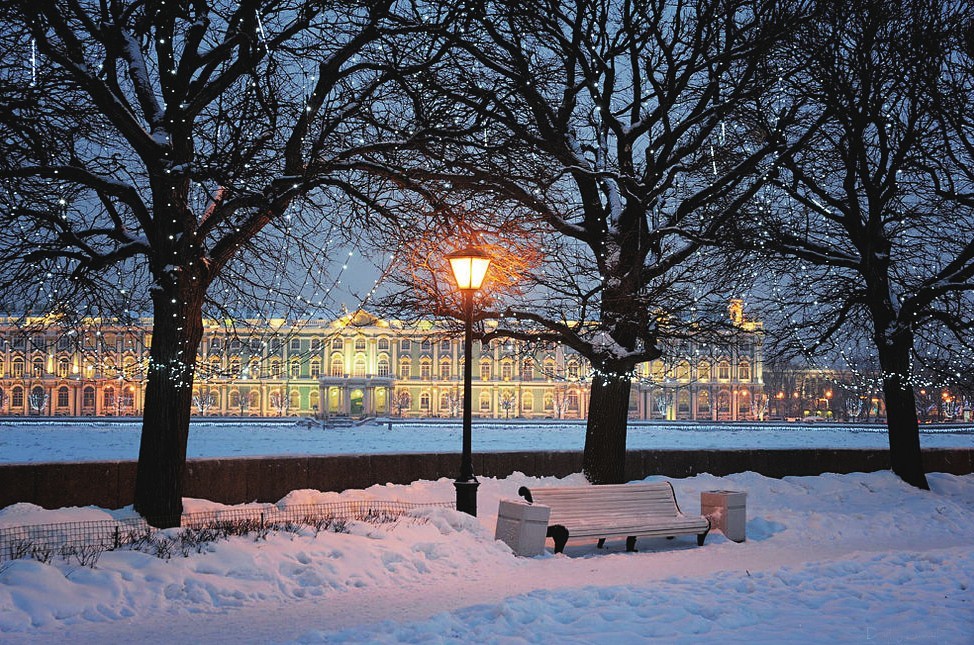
(615, 510)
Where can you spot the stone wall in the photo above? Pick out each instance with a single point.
(110, 484)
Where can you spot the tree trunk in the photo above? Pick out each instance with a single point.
(176, 333)
(901, 414)
(604, 460)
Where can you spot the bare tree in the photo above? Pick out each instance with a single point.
(204, 400)
(873, 211)
(454, 401)
(280, 401)
(508, 402)
(401, 401)
(157, 154)
(600, 145)
(38, 400)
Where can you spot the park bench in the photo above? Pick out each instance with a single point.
(615, 510)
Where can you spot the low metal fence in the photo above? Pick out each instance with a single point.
(44, 541)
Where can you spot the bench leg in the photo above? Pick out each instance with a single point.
(701, 537)
(559, 534)
(631, 543)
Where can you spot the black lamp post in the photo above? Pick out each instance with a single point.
(469, 267)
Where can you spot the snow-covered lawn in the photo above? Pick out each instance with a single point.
(854, 558)
(101, 439)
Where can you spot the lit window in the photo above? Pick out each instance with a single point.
(572, 370)
(703, 371)
(703, 401)
(573, 400)
(723, 371)
(744, 371)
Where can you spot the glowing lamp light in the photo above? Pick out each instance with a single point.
(469, 267)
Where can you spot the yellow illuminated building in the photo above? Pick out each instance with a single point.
(362, 366)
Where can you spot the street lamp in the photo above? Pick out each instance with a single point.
(469, 267)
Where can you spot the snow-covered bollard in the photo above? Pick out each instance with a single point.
(522, 526)
(727, 511)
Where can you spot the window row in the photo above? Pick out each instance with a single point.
(452, 402)
(63, 367)
(72, 341)
(38, 399)
(704, 371)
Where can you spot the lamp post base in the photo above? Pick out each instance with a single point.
(467, 496)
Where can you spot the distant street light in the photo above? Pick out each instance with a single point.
(469, 267)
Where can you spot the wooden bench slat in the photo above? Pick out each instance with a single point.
(616, 510)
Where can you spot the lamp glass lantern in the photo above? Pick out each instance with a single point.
(469, 267)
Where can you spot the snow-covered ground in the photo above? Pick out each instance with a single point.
(854, 558)
(836, 558)
(88, 440)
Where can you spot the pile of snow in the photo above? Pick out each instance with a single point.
(842, 558)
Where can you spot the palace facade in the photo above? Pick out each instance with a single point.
(362, 366)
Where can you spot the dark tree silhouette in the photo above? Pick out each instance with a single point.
(157, 154)
(600, 144)
(871, 218)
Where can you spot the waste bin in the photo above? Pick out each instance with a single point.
(727, 510)
(522, 526)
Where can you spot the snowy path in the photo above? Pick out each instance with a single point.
(829, 559)
(272, 622)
